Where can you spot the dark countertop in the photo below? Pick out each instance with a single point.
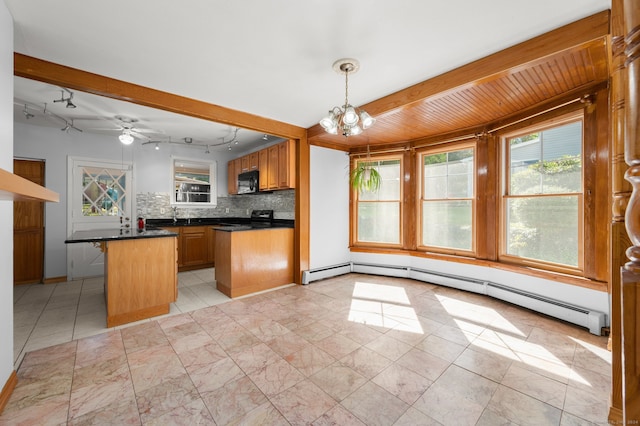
(99, 235)
(219, 223)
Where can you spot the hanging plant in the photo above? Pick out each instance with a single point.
(365, 178)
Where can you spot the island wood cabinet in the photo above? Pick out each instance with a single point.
(140, 278)
(253, 260)
(275, 163)
(196, 247)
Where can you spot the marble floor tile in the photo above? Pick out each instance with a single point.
(402, 382)
(303, 403)
(233, 400)
(375, 406)
(522, 409)
(350, 350)
(338, 380)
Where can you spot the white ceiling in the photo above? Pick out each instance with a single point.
(268, 58)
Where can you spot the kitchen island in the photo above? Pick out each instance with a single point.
(249, 259)
(140, 271)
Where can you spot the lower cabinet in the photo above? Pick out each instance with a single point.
(196, 247)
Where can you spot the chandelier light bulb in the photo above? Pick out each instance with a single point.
(126, 138)
(350, 117)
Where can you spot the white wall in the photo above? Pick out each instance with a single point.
(329, 207)
(151, 172)
(6, 207)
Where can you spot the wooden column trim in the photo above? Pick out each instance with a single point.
(630, 277)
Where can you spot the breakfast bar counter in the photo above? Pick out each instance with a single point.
(140, 271)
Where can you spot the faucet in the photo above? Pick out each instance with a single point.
(175, 214)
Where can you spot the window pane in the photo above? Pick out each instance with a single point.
(104, 191)
(389, 182)
(447, 224)
(379, 222)
(547, 162)
(448, 175)
(544, 228)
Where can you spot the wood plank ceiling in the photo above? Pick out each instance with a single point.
(526, 85)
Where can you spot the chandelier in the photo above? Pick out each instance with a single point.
(346, 119)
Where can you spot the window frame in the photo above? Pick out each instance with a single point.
(447, 148)
(354, 194)
(505, 178)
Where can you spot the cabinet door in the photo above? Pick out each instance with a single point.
(232, 177)
(272, 171)
(286, 165)
(245, 163)
(194, 245)
(254, 160)
(263, 167)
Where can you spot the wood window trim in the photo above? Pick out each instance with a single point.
(439, 149)
(505, 170)
(353, 201)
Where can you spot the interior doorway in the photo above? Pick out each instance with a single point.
(28, 228)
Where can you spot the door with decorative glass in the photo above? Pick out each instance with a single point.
(100, 197)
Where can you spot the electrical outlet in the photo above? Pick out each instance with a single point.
(226, 210)
(161, 210)
(247, 211)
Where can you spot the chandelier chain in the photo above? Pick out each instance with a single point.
(346, 88)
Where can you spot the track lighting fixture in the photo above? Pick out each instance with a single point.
(207, 151)
(26, 113)
(265, 137)
(157, 147)
(67, 100)
(346, 119)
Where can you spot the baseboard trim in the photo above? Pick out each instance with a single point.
(7, 390)
(54, 280)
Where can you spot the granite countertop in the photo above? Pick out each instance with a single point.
(220, 223)
(99, 235)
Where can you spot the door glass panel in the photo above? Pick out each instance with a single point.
(104, 191)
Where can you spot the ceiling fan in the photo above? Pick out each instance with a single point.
(126, 127)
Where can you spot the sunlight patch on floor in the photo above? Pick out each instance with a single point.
(383, 306)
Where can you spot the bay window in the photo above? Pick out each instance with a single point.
(447, 199)
(378, 212)
(543, 196)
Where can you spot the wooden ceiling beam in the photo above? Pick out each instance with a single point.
(73, 78)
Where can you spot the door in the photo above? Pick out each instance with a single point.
(28, 228)
(101, 196)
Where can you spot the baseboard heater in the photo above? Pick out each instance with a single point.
(326, 272)
(590, 319)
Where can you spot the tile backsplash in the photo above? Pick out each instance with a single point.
(155, 205)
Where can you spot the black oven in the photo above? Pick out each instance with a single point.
(248, 182)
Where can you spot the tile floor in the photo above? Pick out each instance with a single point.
(350, 350)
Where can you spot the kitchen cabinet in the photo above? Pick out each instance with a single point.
(193, 246)
(232, 177)
(254, 160)
(272, 168)
(250, 261)
(276, 165)
(263, 166)
(196, 247)
(286, 165)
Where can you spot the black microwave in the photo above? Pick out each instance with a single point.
(248, 182)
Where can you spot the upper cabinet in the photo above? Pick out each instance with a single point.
(193, 182)
(276, 165)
